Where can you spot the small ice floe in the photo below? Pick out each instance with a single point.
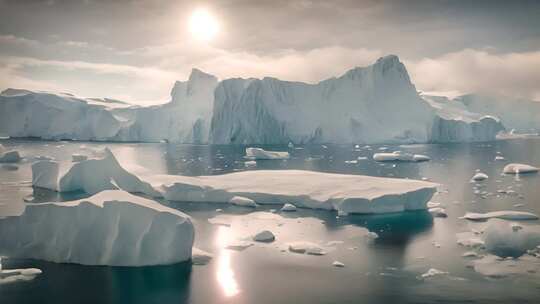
(519, 205)
(479, 176)
(290, 145)
(432, 272)
(306, 248)
(433, 204)
(361, 158)
(250, 164)
(264, 236)
(519, 169)
(436, 244)
(371, 236)
(500, 158)
(354, 161)
(338, 264)
(258, 153)
(243, 201)
(78, 158)
(400, 156)
(288, 208)
(17, 275)
(334, 243)
(239, 245)
(438, 212)
(469, 240)
(200, 257)
(505, 215)
(516, 227)
(470, 254)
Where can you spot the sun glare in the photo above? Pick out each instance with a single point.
(203, 25)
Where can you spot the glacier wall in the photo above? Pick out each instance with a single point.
(373, 104)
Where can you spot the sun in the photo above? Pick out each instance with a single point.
(203, 25)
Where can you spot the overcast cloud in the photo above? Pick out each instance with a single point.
(136, 49)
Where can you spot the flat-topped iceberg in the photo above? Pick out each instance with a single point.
(258, 153)
(110, 228)
(308, 189)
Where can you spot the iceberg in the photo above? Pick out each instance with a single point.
(111, 228)
(309, 189)
(502, 239)
(9, 156)
(361, 106)
(519, 168)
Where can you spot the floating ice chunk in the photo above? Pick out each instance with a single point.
(519, 168)
(432, 272)
(470, 240)
(78, 157)
(10, 157)
(338, 264)
(355, 161)
(290, 145)
(258, 153)
(288, 208)
(250, 163)
(399, 156)
(239, 245)
(264, 236)
(470, 254)
(505, 215)
(306, 248)
(494, 267)
(499, 158)
(110, 228)
(242, 201)
(200, 257)
(17, 275)
(371, 236)
(90, 176)
(433, 205)
(438, 212)
(479, 176)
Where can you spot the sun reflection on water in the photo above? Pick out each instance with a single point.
(225, 273)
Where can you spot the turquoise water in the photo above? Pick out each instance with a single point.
(385, 270)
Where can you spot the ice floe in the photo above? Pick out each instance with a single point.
(505, 215)
(306, 248)
(400, 156)
(288, 208)
(258, 153)
(242, 201)
(519, 169)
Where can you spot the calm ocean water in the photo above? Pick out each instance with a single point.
(385, 270)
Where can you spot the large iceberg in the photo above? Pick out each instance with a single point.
(110, 228)
(372, 104)
(186, 118)
(309, 189)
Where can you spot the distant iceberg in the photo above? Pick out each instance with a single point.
(373, 104)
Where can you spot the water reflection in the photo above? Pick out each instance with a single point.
(224, 272)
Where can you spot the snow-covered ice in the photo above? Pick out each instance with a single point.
(306, 248)
(479, 176)
(242, 201)
(110, 228)
(288, 208)
(8, 276)
(309, 189)
(519, 169)
(400, 156)
(433, 272)
(258, 153)
(505, 215)
(338, 264)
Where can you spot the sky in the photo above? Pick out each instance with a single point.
(134, 50)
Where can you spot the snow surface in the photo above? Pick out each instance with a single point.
(110, 228)
(519, 168)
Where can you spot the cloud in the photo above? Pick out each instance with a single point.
(467, 71)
